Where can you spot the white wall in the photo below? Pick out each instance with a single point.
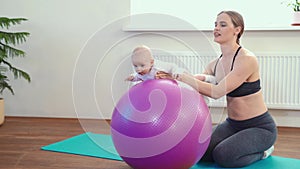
(205, 11)
(59, 30)
(78, 50)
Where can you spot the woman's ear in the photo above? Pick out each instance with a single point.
(237, 30)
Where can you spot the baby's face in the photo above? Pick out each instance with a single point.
(142, 63)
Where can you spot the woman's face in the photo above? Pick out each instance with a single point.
(224, 29)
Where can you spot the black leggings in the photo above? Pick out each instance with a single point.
(240, 143)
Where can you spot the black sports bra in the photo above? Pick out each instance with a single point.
(245, 88)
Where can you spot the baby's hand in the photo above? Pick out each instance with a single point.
(129, 78)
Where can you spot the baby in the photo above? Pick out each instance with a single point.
(147, 68)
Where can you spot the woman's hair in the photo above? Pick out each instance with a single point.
(237, 20)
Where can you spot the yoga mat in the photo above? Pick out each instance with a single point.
(101, 146)
(87, 144)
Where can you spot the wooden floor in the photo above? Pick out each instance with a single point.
(21, 139)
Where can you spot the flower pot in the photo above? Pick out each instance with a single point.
(296, 19)
(1, 111)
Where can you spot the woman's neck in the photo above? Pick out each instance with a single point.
(229, 49)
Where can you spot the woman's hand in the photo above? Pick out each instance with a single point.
(200, 77)
(185, 77)
(163, 75)
(188, 79)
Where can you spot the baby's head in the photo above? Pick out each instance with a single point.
(142, 59)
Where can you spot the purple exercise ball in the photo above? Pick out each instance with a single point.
(160, 124)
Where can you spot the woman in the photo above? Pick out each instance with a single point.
(249, 132)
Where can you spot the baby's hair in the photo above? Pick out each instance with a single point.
(142, 49)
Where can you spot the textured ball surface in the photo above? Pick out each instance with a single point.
(159, 124)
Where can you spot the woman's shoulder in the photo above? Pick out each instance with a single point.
(247, 53)
(247, 57)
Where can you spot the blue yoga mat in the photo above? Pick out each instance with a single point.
(99, 145)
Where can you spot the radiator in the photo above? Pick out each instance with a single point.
(280, 77)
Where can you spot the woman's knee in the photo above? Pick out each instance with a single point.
(223, 157)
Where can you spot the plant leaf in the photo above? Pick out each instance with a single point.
(4, 84)
(13, 37)
(8, 51)
(18, 73)
(7, 22)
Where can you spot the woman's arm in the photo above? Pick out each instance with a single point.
(206, 78)
(244, 67)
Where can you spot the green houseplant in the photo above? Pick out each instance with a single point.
(8, 42)
(295, 4)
